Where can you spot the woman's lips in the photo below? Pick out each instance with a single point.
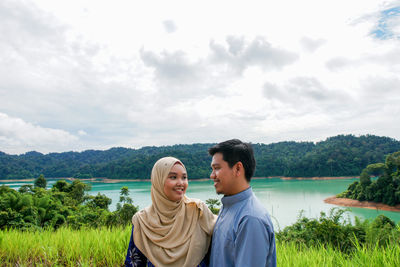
(179, 190)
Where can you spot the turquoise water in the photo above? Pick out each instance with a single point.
(284, 199)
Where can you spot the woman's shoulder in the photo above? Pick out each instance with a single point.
(194, 201)
(143, 213)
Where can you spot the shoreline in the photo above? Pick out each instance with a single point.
(108, 180)
(347, 202)
(315, 178)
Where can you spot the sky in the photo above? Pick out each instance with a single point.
(78, 75)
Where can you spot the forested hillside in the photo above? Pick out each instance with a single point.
(342, 155)
(385, 189)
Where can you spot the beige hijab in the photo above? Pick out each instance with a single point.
(172, 233)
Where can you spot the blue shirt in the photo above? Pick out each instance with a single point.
(243, 234)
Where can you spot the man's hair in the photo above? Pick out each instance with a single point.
(234, 151)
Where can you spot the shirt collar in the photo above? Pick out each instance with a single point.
(230, 200)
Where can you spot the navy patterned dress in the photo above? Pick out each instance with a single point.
(135, 258)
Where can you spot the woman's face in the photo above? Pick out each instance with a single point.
(176, 183)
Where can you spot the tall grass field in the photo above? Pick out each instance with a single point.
(64, 247)
(107, 247)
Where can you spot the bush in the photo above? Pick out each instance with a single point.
(335, 231)
(383, 231)
(64, 204)
(213, 204)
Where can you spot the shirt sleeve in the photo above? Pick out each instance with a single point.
(134, 257)
(254, 243)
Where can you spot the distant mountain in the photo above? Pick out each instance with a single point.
(342, 155)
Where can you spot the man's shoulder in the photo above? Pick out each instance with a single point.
(253, 207)
(255, 211)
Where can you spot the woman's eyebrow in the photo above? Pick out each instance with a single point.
(174, 173)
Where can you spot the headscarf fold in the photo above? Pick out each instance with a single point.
(172, 233)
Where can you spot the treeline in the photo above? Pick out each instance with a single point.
(342, 155)
(65, 204)
(385, 189)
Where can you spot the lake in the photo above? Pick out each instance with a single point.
(284, 199)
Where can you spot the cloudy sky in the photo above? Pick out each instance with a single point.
(78, 75)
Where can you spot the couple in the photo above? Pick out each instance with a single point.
(176, 230)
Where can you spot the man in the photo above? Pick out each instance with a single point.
(243, 234)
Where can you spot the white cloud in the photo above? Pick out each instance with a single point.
(338, 63)
(16, 136)
(311, 45)
(169, 26)
(82, 133)
(124, 73)
(259, 52)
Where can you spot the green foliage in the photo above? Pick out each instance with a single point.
(383, 231)
(124, 195)
(291, 254)
(62, 186)
(106, 246)
(40, 182)
(125, 213)
(337, 232)
(213, 204)
(385, 189)
(27, 188)
(64, 204)
(322, 231)
(375, 169)
(64, 247)
(99, 201)
(77, 190)
(365, 179)
(342, 155)
(125, 210)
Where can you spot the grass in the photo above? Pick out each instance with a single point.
(290, 254)
(64, 247)
(107, 247)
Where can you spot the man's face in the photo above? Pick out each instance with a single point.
(223, 175)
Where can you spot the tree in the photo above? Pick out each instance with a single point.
(126, 212)
(365, 179)
(77, 190)
(100, 201)
(40, 182)
(376, 168)
(124, 195)
(385, 189)
(61, 185)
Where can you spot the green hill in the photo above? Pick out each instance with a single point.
(342, 155)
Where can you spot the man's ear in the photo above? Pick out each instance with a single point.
(238, 168)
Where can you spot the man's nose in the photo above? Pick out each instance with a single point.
(212, 175)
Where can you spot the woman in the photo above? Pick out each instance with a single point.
(175, 230)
